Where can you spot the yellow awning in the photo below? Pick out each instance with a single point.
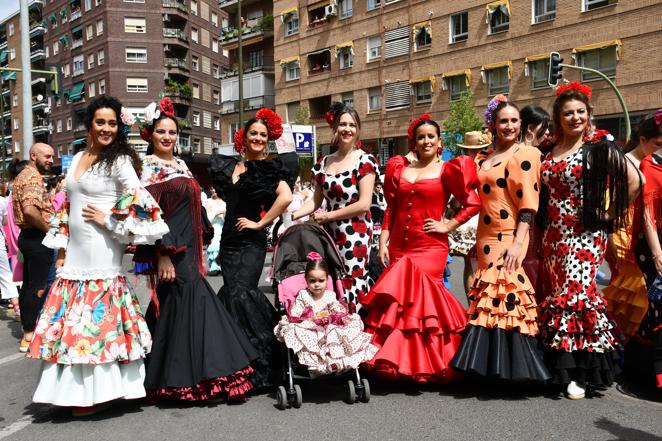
(288, 60)
(538, 57)
(492, 66)
(601, 45)
(422, 24)
(289, 11)
(318, 5)
(491, 7)
(458, 72)
(344, 44)
(423, 80)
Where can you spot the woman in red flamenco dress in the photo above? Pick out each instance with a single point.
(415, 320)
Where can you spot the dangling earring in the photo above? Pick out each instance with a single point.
(528, 139)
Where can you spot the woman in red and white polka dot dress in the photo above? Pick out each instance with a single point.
(345, 180)
(588, 184)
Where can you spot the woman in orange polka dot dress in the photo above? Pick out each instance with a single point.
(500, 341)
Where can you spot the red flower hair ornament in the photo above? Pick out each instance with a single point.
(575, 85)
(274, 128)
(152, 113)
(330, 117)
(411, 135)
(658, 117)
(166, 107)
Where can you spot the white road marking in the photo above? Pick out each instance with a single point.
(10, 358)
(16, 426)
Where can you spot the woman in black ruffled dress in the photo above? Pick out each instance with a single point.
(198, 352)
(257, 190)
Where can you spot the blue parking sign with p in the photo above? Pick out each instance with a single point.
(303, 142)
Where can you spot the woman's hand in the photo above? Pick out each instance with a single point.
(243, 223)
(93, 214)
(166, 270)
(511, 256)
(383, 256)
(323, 217)
(434, 226)
(658, 264)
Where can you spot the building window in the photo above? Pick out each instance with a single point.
(214, 19)
(196, 145)
(69, 123)
(56, 47)
(396, 42)
(195, 62)
(194, 35)
(101, 57)
(102, 86)
(196, 91)
(134, 1)
(345, 8)
(373, 4)
(255, 59)
(292, 71)
(14, 100)
(216, 97)
(346, 57)
(603, 60)
(216, 71)
(423, 37)
(194, 7)
(66, 70)
(217, 123)
(17, 124)
(291, 22)
(347, 99)
(319, 16)
(423, 92)
(135, 55)
(99, 27)
(374, 47)
(89, 32)
(214, 45)
(136, 85)
(97, 2)
(79, 68)
(457, 85)
(135, 25)
(12, 53)
(92, 89)
(90, 61)
(233, 128)
(544, 10)
(539, 72)
(499, 18)
(396, 95)
(589, 5)
(58, 126)
(88, 5)
(374, 99)
(48, 50)
(497, 81)
(459, 27)
(196, 118)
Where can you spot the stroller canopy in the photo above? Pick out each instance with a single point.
(290, 254)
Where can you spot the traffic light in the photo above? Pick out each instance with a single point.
(555, 69)
(56, 79)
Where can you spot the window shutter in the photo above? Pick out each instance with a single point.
(396, 42)
(396, 95)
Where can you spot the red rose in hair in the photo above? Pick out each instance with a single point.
(329, 116)
(274, 123)
(239, 140)
(410, 131)
(575, 85)
(144, 134)
(166, 107)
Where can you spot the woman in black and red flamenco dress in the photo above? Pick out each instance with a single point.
(198, 351)
(416, 321)
(588, 184)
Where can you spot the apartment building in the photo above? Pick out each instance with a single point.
(136, 50)
(12, 83)
(395, 59)
(257, 23)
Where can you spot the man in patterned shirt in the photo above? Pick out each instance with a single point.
(32, 212)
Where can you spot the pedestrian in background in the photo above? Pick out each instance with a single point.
(32, 213)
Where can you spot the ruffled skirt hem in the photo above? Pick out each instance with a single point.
(231, 388)
(595, 368)
(627, 299)
(87, 385)
(500, 354)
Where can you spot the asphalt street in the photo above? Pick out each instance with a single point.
(468, 410)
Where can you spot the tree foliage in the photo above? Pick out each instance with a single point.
(462, 119)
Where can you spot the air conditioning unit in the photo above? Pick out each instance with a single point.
(166, 76)
(166, 17)
(47, 110)
(331, 9)
(166, 47)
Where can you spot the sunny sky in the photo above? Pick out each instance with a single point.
(7, 8)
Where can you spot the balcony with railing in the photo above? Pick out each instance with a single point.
(249, 104)
(39, 104)
(37, 53)
(248, 68)
(175, 7)
(176, 36)
(37, 28)
(176, 63)
(231, 5)
(40, 125)
(253, 31)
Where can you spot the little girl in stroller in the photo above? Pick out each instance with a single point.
(319, 329)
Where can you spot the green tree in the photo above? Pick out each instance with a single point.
(462, 119)
(302, 116)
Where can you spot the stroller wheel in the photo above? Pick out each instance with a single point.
(281, 396)
(365, 395)
(298, 396)
(351, 392)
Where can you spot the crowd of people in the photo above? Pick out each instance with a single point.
(533, 214)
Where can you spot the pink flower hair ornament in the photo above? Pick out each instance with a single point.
(314, 256)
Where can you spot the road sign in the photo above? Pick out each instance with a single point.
(297, 138)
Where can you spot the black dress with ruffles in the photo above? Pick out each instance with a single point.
(242, 253)
(198, 352)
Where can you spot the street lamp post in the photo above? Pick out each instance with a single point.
(240, 66)
(26, 79)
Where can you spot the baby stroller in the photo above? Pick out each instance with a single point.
(289, 263)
